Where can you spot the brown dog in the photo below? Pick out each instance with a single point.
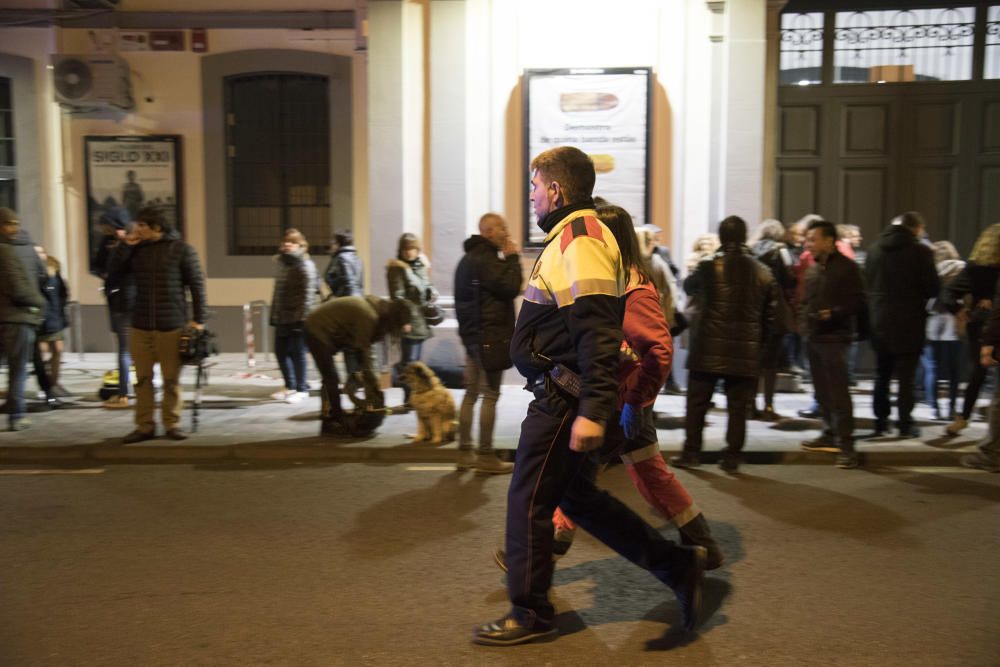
(434, 404)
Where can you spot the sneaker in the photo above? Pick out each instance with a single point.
(687, 588)
(296, 397)
(956, 426)
(685, 460)
(138, 436)
(848, 461)
(809, 413)
(507, 631)
(823, 443)
(60, 391)
(489, 464)
(283, 394)
(116, 403)
(980, 461)
(466, 460)
(54, 403)
(769, 415)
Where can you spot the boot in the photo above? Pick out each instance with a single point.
(489, 464)
(697, 532)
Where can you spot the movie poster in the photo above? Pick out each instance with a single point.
(125, 174)
(603, 112)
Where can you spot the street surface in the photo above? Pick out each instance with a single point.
(365, 564)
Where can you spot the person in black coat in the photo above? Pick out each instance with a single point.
(901, 277)
(165, 269)
(736, 297)
(487, 280)
(49, 338)
(119, 291)
(988, 456)
(345, 275)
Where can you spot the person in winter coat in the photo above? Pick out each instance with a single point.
(737, 298)
(408, 276)
(944, 345)
(345, 275)
(119, 291)
(21, 310)
(970, 297)
(988, 456)
(296, 290)
(350, 323)
(901, 278)
(165, 269)
(769, 248)
(834, 298)
(49, 339)
(487, 280)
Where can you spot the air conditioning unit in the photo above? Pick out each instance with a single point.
(92, 81)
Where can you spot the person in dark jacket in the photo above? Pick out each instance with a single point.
(49, 337)
(350, 323)
(833, 299)
(737, 299)
(119, 291)
(21, 310)
(487, 280)
(345, 275)
(976, 284)
(901, 278)
(165, 269)
(296, 289)
(988, 456)
(408, 276)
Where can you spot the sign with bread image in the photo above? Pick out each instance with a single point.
(603, 112)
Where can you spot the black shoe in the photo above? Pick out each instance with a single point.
(334, 427)
(848, 461)
(823, 443)
(508, 632)
(809, 413)
(176, 434)
(909, 431)
(685, 460)
(769, 415)
(980, 461)
(138, 436)
(688, 587)
(54, 403)
(729, 464)
(697, 532)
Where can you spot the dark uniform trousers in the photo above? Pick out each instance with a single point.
(547, 474)
(828, 365)
(739, 393)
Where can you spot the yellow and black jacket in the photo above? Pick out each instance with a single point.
(573, 307)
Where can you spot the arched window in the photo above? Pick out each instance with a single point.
(277, 159)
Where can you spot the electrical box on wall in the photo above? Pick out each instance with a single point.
(92, 81)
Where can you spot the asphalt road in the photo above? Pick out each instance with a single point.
(355, 564)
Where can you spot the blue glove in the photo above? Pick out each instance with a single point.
(631, 421)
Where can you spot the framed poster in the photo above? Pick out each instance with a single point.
(603, 112)
(130, 172)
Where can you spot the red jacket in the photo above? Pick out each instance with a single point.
(647, 351)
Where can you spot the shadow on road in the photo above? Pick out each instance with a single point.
(944, 485)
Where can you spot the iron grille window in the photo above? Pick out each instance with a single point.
(906, 45)
(801, 49)
(8, 176)
(278, 163)
(991, 69)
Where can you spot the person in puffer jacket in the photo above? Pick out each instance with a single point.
(943, 352)
(165, 269)
(296, 290)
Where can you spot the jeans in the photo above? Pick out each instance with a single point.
(990, 447)
(17, 344)
(904, 367)
(290, 348)
(828, 361)
(942, 358)
(411, 350)
(121, 324)
(739, 393)
(478, 381)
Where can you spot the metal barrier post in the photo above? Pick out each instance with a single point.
(248, 334)
(264, 309)
(76, 328)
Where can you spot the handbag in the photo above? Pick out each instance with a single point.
(433, 314)
(494, 355)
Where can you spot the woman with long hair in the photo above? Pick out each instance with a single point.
(970, 297)
(408, 276)
(944, 346)
(647, 354)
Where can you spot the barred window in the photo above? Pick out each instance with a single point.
(991, 70)
(801, 62)
(8, 176)
(278, 162)
(906, 45)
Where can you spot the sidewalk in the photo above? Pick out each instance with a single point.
(239, 422)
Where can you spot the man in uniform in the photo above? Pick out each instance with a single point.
(566, 343)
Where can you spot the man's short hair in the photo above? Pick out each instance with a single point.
(7, 216)
(912, 220)
(490, 219)
(343, 237)
(825, 227)
(571, 168)
(153, 216)
(733, 230)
